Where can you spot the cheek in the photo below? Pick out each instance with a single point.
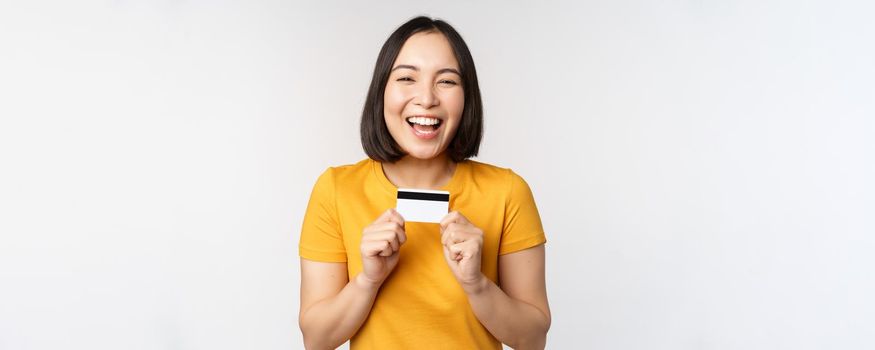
(455, 101)
(394, 100)
(455, 106)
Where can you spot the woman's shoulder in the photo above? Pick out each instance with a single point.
(343, 172)
(493, 173)
(350, 168)
(486, 168)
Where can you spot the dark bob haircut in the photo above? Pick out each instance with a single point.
(376, 139)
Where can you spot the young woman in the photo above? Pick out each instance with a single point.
(474, 280)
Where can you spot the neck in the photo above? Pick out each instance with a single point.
(409, 172)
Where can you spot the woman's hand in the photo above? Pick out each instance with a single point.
(381, 245)
(463, 243)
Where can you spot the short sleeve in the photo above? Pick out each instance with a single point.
(321, 237)
(522, 224)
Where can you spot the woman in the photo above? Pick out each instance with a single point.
(469, 282)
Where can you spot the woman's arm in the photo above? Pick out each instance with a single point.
(332, 307)
(517, 314)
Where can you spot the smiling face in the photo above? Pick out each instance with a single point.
(424, 99)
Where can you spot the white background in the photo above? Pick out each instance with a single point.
(703, 168)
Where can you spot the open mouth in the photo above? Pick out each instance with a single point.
(424, 125)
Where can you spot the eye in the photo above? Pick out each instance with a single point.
(404, 79)
(450, 82)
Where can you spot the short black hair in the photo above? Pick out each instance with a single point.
(376, 139)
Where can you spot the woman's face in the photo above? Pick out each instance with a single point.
(423, 101)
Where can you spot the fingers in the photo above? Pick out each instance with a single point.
(383, 244)
(396, 217)
(389, 250)
(460, 236)
(385, 236)
(455, 233)
(396, 228)
(453, 217)
(463, 250)
(390, 215)
(375, 248)
(400, 233)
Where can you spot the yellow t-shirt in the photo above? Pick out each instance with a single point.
(420, 305)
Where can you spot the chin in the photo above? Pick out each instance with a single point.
(422, 154)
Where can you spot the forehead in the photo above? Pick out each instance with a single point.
(427, 50)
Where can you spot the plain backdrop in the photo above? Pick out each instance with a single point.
(703, 169)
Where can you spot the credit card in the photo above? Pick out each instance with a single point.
(417, 205)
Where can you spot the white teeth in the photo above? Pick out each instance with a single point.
(423, 120)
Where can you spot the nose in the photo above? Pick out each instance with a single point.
(426, 97)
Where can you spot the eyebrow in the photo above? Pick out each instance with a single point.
(444, 70)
